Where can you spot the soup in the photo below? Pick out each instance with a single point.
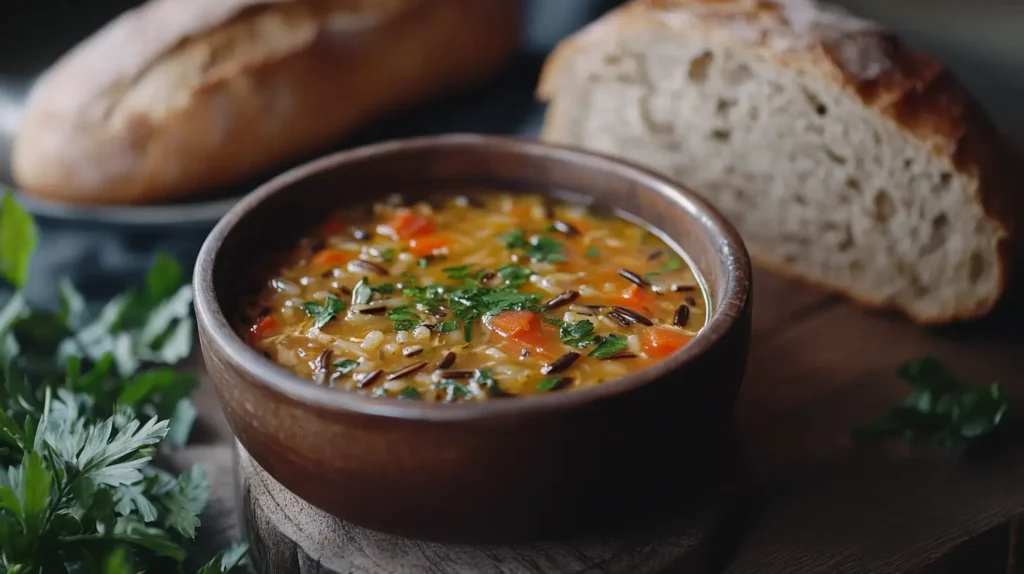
(471, 298)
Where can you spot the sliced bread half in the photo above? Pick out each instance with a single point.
(843, 157)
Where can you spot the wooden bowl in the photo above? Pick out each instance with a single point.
(505, 470)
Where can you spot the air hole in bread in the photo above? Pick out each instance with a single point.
(945, 178)
(819, 107)
(853, 184)
(940, 231)
(835, 157)
(736, 75)
(698, 72)
(885, 207)
(799, 199)
(612, 59)
(721, 134)
(846, 243)
(976, 267)
(724, 105)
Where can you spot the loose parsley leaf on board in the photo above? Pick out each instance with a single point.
(323, 313)
(609, 346)
(940, 408)
(18, 240)
(78, 489)
(405, 318)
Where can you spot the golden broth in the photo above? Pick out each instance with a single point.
(553, 297)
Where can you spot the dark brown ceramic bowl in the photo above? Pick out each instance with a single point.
(504, 470)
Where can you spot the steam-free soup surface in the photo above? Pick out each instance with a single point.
(474, 297)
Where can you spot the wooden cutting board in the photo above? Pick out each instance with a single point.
(811, 500)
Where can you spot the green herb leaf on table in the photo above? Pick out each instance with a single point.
(18, 240)
(940, 408)
(609, 347)
(78, 489)
(323, 313)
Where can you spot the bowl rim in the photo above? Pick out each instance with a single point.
(219, 332)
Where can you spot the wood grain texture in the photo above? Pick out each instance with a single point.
(817, 503)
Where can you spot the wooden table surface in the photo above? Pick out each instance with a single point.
(821, 503)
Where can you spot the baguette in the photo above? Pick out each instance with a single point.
(181, 96)
(844, 158)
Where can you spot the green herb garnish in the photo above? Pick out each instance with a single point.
(409, 393)
(85, 401)
(423, 262)
(384, 288)
(386, 255)
(447, 326)
(579, 334)
(546, 250)
(514, 275)
(485, 378)
(514, 239)
(458, 271)
(673, 263)
(940, 408)
(345, 366)
(609, 347)
(405, 318)
(472, 303)
(593, 253)
(322, 313)
(453, 390)
(548, 384)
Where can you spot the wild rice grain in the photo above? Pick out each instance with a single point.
(682, 316)
(632, 277)
(634, 316)
(654, 255)
(618, 356)
(412, 351)
(560, 364)
(449, 374)
(690, 301)
(561, 300)
(619, 318)
(369, 378)
(566, 228)
(364, 266)
(407, 370)
(446, 361)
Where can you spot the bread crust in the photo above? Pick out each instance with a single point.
(911, 91)
(181, 96)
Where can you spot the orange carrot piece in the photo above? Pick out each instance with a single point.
(429, 244)
(330, 258)
(264, 327)
(660, 342)
(635, 298)
(408, 224)
(512, 323)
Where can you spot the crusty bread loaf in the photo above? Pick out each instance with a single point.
(180, 96)
(843, 157)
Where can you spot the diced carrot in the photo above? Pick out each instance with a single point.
(264, 327)
(430, 244)
(521, 211)
(635, 297)
(330, 258)
(660, 342)
(408, 224)
(514, 324)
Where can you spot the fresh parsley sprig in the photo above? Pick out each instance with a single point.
(940, 408)
(85, 401)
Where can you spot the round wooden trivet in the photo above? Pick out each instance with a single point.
(290, 536)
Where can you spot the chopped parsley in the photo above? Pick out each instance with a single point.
(423, 262)
(580, 334)
(448, 326)
(384, 288)
(542, 249)
(322, 313)
(453, 389)
(552, 383)
(458, 271)
(514, 275)
(409, 393)
(405, 318)
(471, 303)
(610, 346)
(345, 366)
(485, 379)
(386, 254)
(593, 253)
(674, 263)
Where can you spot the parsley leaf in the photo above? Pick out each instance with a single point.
(485, 378)
(345, 366)
(457, 272)
(384, 288)
(593, 253)
(609, 346)
(386, 254)
(548, 384)
(579, 334)
(322, 313)
(18, 240)
(514, 275)
(940, 408)
(409, 393)
(453, 390)
(423, 262)
(362, 292)
(545, 249)
(673, 263)
(405, 318)
(514, 239)
(447, 326)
